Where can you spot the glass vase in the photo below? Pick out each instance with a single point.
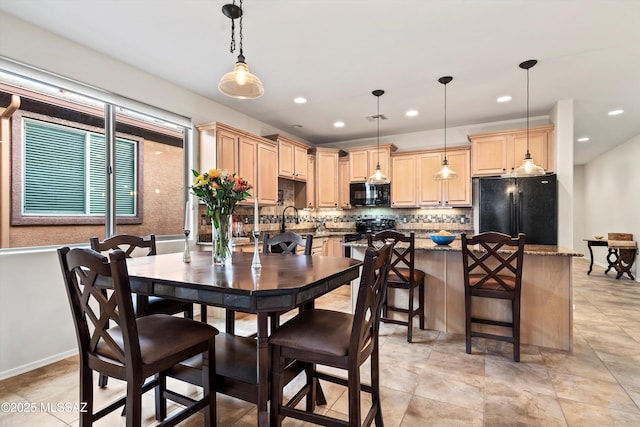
(221, 235)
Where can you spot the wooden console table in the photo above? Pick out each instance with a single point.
(595, 242)
(621, 255)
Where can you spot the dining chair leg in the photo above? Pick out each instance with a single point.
(516, 330)
(421, 296)
(161, 400)
(410, 317)
(134, 402)
(102, 380)
(375, 386)
(203, 313)
(467, 327)
(86, 395)
(208, 368)
(276, 389)
(353, 386)
(310, 371)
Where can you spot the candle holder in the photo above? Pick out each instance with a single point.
(256, 253)
(186, 257)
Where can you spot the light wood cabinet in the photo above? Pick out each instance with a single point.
(343, 182)
(403, 180)
(292, 158)
(334, 246)
(455, 192)
(412, 182)
(363, 161)
(311, 182)
(250, 156)
(326, 177)
(319, 245)
(496, 153)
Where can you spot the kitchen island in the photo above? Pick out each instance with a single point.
(547, 292)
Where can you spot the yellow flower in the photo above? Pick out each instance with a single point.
(213, 173)
(199, 181)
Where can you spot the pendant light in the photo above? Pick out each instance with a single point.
(445, 173)
(239, 83)
(378, 177)
(528, 167)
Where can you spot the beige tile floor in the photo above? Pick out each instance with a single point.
(433, 382)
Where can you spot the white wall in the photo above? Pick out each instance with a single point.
(611, 197)
(579, 209)
(35, 320)
(562, 117)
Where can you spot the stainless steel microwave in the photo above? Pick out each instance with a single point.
(364, 194)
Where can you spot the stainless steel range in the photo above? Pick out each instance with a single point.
(366, 226)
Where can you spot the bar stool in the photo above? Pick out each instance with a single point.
(402, 275)
(495, 271)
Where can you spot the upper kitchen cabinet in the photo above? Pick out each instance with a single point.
(326, 177)
(292, 158)
(311, 182)
(250, 156)
(497, 153)
(412, 182)
(343, 182)
(403, 180)
(363, 161)
(454, 192)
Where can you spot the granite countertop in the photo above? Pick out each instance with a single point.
(456, 246)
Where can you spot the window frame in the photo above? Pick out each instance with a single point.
(17, 184)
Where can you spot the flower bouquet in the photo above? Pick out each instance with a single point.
(220, 191)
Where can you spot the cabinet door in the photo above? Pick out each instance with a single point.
(227, 150)
(334, 247)
(458, 191)
(247, 165)
(403, 181)
(300, 163)
(343, 182)
(359, 166)
(385, 160)
(266, 172)
(311, 182)
(286, 167)
(489, 155)
(538, 148)
(429, 190)
(327, 179)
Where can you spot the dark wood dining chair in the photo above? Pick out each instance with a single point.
(113, 342)
(143, 305)
(287, 243)
(402, 275)
(338, 340)
(492, 264)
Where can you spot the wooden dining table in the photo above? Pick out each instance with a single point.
(284, 282)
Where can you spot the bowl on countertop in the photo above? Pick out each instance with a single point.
(439, 239)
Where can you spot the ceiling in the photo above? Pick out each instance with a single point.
(335, 52)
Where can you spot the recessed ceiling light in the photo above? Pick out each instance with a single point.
(411, 113)
(296, 126)
(505, 98)
(300, 100)
(338, 124)
(615, 112)
(583, 139)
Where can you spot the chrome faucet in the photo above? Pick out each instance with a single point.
(297, 221)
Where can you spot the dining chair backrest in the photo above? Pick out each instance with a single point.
(96, 312)
(287, 243)
(127, 243)
(403, 257)
(371, 294)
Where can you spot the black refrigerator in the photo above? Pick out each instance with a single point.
(520, 205)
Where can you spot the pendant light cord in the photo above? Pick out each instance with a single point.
(378, 123)
(528, 154)
(445, 122)
(232, 47)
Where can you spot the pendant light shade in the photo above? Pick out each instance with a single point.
(445, 173)
(239, 83)
(378, 177)
(528, 166)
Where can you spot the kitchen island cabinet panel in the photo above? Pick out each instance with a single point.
(547, 293)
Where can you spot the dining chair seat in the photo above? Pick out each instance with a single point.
(400, 280)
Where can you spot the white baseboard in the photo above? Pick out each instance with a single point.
(36, 364)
